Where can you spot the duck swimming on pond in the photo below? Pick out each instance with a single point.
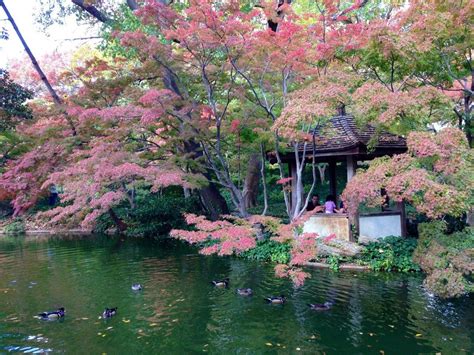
(276, 299)
(137, 287)
(245, 291)
(221, 283)
(320, 306)
(109, 312)
(52, 315)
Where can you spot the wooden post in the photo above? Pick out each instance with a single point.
(403, 220)
(351, 167)
(332, 178)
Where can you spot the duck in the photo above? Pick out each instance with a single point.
(276, 299)
(109, 312)
(137, 287)
(245, 291)
(52, 315)
(221, 283)
(320, 306)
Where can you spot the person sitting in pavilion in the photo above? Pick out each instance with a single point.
(330, 205)
(315, 205)
(342, 207)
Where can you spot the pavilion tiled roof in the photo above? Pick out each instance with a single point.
(341, 133)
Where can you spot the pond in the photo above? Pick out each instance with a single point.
(179, 311)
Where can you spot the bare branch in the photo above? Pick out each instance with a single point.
(92, 10)
(132, 4)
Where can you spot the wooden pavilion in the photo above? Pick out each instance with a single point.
(340, 139)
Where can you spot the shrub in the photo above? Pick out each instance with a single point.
(154, 214)
(448, 259)
(445, 283)
(391, 254)
(15, 227)
(269, 250)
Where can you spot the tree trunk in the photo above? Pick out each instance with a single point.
(264, 180)
(251, 182)
(210, 196)
(121, 225)
(212, 201)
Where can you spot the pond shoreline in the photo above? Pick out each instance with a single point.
(343, 267)
(42, 232)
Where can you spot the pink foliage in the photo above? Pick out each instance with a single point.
(295, 274)
(228, 238)
(433, 176)
(284, 181)
(304, 249)
(99, 178)
(24, 177)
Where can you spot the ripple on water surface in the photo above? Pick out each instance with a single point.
(179, 310)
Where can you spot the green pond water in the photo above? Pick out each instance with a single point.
(179, 311)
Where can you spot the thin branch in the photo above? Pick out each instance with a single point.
(92, 10)
(132, 4)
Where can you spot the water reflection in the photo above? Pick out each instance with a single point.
(179, 311)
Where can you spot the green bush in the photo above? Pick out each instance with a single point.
(391, 254)
(15, 227)
(333, 261)
(154, 214)
(448, 259)
(269, 250)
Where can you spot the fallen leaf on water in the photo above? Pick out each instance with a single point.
(418, 335)
(268, 344)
